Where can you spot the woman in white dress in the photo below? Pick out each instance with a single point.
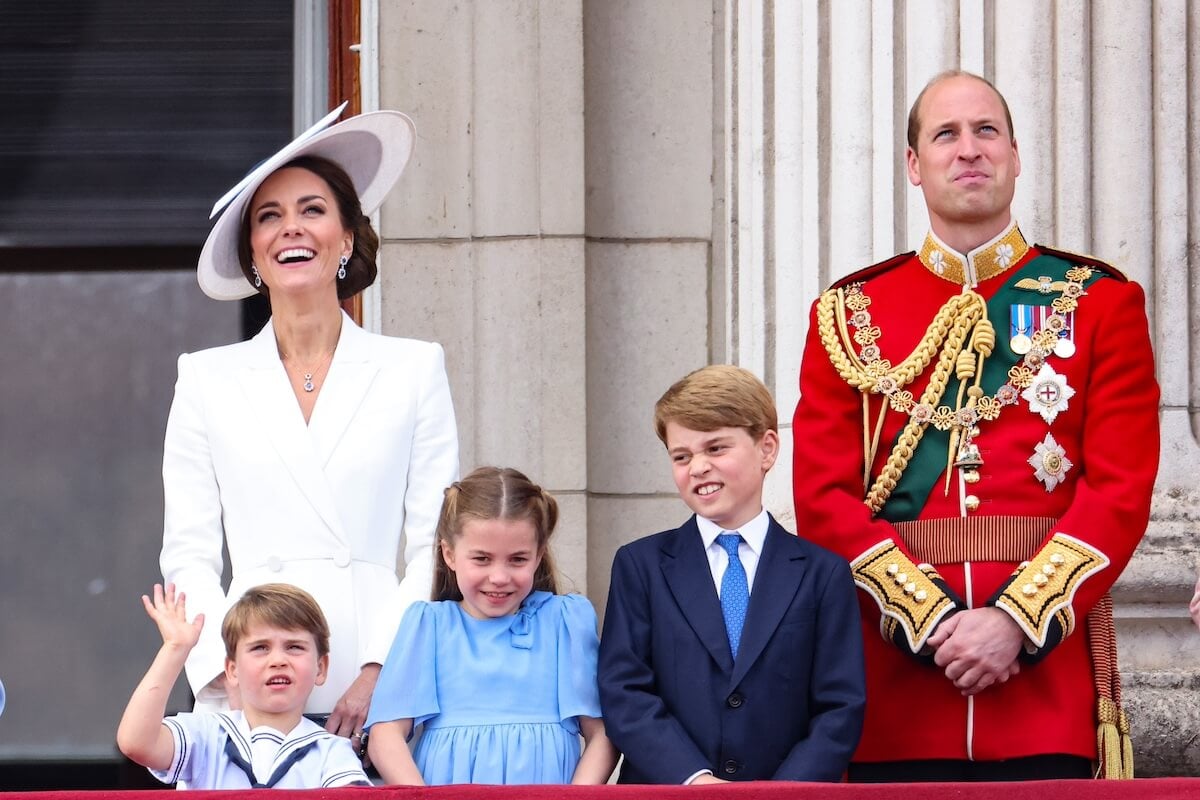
(314, 449)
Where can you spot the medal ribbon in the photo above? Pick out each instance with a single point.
(929, 461)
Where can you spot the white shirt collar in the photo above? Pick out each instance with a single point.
(754, 532)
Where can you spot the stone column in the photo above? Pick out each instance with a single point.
(649, 169)
(484, 237)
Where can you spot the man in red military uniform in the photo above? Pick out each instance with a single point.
(978, 435)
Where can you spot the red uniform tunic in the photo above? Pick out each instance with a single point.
(1088, 488)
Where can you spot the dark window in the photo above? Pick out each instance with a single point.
(125, 120)
(121, 123)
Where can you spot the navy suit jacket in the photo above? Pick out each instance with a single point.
(674, 700)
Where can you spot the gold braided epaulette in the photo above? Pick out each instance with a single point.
(866, 273)
(905, 592)
(1045, 586)
(1085, 260)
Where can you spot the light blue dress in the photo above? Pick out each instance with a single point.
(498, 697)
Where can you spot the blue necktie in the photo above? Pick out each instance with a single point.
(735, 591)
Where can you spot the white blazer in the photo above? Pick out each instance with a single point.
(321, 506)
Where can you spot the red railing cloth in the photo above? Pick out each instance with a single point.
(1141, 789)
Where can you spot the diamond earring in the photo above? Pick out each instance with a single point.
(257, 280)
(342, 262)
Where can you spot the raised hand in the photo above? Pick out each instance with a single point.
(168, 609)
(141, 734)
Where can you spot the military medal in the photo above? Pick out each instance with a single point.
(1049, 462)
(1063, 324)
(1020, 326)
(1048, 393)
(1065, 346)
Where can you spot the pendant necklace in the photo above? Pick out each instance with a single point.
(309, 373)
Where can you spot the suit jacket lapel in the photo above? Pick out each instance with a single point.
(776, 581)
(685, 568)
(269, 397)
(351, 374)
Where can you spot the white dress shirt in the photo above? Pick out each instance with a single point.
(754, 535)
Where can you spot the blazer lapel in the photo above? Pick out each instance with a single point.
(269, 395)
(776, 581)
(689, 578)
(351, 373)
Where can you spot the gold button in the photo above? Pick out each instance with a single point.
(972, 502)
(1029, 590)
(1057, 559)
(893, 569)
(920, 596)
(1040, 580)
(910, 587)
(971, 476)
(901, 578)
(1049, 569)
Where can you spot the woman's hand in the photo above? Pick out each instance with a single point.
(351, 710)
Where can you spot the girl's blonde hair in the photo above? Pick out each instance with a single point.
(499, 493)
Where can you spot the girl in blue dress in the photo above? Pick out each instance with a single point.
(500, 669)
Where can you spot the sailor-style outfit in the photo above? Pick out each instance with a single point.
(220, 751)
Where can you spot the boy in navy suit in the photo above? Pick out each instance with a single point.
(731, 648)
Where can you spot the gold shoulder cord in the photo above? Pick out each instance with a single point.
(962, 318)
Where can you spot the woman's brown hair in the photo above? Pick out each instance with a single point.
(499, 493)
(361, 269)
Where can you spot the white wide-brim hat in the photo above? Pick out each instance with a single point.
(373, 148)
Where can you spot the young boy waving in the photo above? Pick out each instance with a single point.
(277, 650)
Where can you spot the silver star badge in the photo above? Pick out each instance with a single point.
(1048, 394)
(1049, 462)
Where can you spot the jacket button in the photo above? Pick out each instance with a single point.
(342, 557)
(735, 700)
(731, 767)
(274, 563)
